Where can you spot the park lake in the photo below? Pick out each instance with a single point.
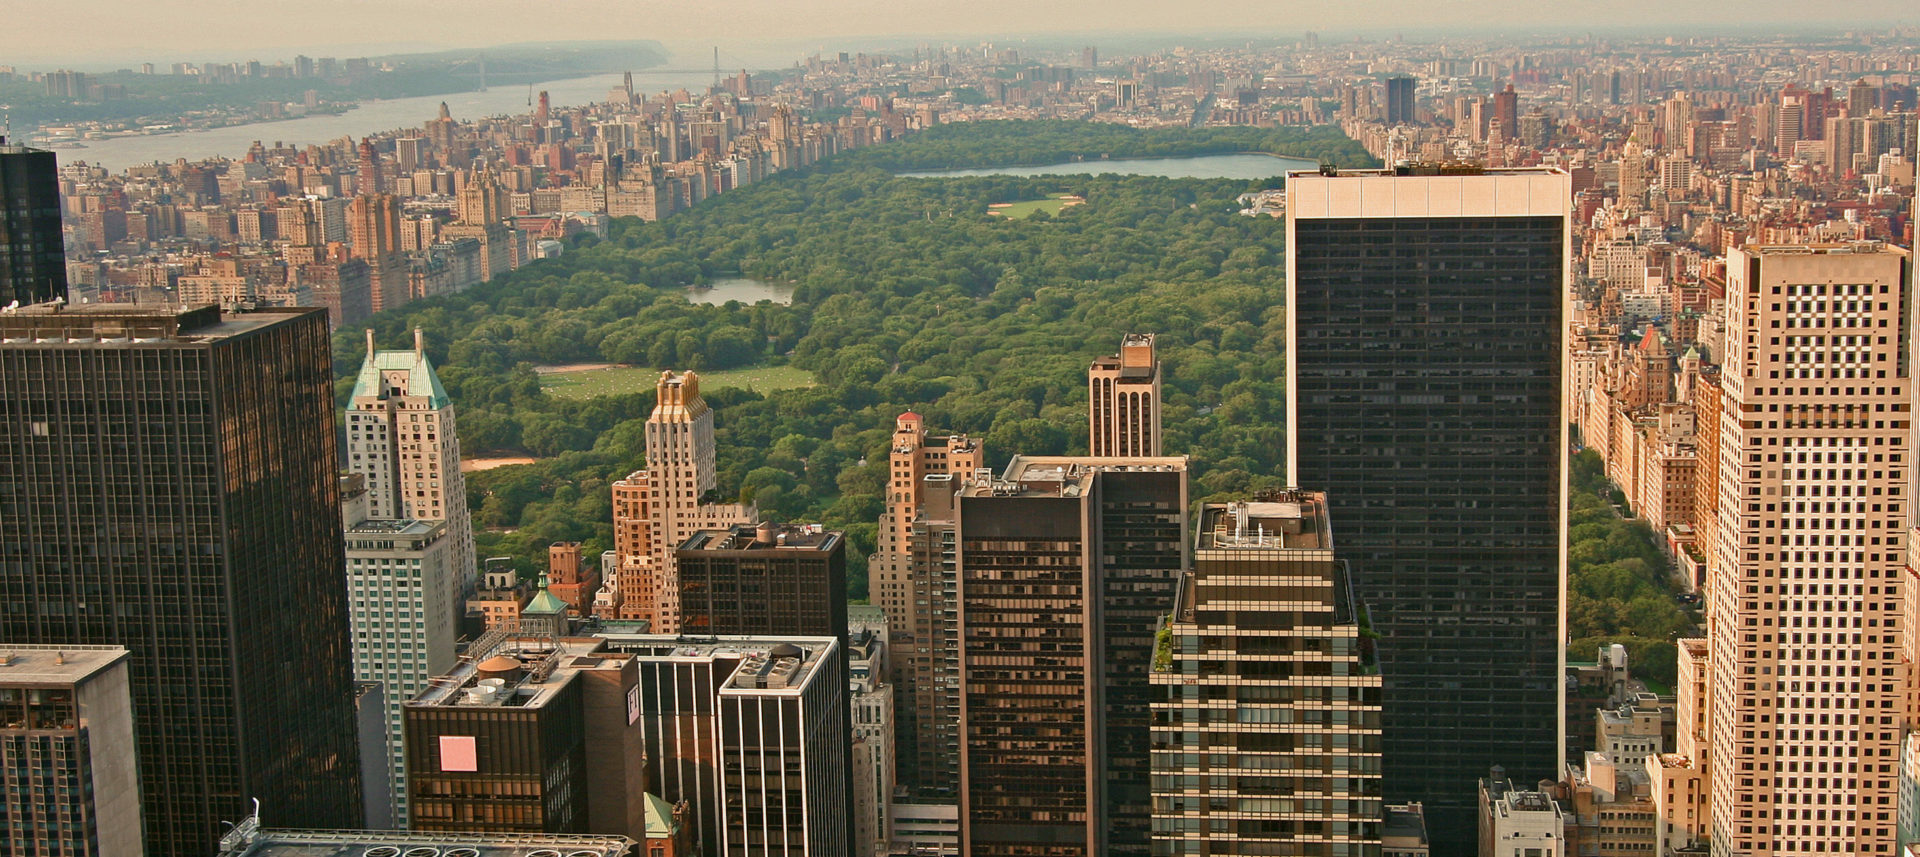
(742, 289)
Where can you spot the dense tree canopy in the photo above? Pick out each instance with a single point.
(1621, 587)
(907, 296)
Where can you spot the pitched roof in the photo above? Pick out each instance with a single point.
(421, 379)
(544, 602)
(659, 817)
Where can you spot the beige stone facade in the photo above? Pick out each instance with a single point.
(1805, 707)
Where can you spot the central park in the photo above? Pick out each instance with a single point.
(909, 294)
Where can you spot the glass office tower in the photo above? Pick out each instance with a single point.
(1426, 322)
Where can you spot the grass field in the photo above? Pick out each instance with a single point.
(1051, 205)
(586, 383)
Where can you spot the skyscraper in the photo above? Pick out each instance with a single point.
(1506, 114)
(33, 263)
(373, 224)
(1067, 566)
(658, 508)
(912, 579)
(401, 436)
(1123, 400)
(400, 575)
(1815, 491)
(1425, 342)
(1266, 628)
(1400, 110)
(753, 733)
(167, 484)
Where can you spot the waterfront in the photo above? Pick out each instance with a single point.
(371, 117)
(1242, 166)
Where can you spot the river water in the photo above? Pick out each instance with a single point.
(1249, 166)
(369, 118)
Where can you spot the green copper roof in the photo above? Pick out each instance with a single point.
(421, 379)
(659, 816)
(545, 602)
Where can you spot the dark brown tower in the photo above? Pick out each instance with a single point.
(167, 484)
(1067, 566)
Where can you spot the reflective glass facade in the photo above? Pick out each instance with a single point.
(1066, 566)
(167, 484)
(33, 264)
(1427, 382)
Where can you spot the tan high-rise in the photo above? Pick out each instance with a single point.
(1123, 400)
(912, 579)
(401, 436)
(656, 509)
(1805, 704)
(373, 224)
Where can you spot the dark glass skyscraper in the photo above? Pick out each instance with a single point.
(1067, 567)
(1426, 325)
(167, 484)
(33, 264)
(1400, 110)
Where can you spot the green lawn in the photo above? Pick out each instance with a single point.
(1051, 205)
(588, 383)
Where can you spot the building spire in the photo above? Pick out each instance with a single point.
(370, 342)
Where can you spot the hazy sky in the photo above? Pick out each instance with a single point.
(163, 31)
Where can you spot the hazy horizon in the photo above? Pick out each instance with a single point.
(755, 33)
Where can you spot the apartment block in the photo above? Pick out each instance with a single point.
(911, 576)
(67, 755)
(1267, 724)
(658, 508)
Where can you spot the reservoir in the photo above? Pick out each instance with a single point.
(1248, 166)
(371, 117)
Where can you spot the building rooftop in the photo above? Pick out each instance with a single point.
(1838, 249)
(403, 527)
(58, 323)
(503, 670)
(1280, 521)
(1676, 761)
(1427, 169)
(54, 666)
(1061, 475)
(421, 379)
(1507, 800)
(394, 843)
(1136, 361)
(1406, 825)
(768, 536)
(766, 665)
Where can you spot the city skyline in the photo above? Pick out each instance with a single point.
(1498, 241)
(742, 30)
